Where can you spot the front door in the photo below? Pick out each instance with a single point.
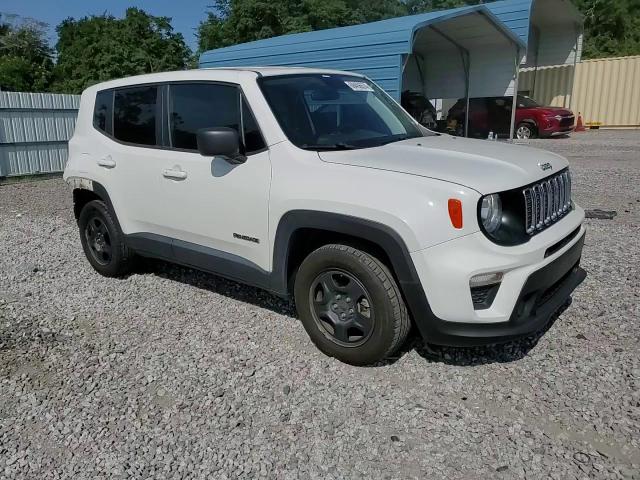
(210, 202)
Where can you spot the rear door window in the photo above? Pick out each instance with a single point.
(135, 113)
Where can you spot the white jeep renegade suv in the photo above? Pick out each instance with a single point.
(316, 184)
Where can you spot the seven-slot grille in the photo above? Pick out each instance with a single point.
(547, 202)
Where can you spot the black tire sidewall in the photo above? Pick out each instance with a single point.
(378, 345)
(119, 259)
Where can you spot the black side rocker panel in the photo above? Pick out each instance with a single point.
(202, 258)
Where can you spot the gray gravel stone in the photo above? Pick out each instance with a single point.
(172, 373)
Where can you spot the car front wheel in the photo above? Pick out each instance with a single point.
(350, 305)
(525, 131)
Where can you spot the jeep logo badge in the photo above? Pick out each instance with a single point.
(545, 166)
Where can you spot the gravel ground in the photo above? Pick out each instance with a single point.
(171, 373)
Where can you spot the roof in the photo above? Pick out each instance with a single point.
(515, 14)
(230, 74)
(271, 71)
(372, 49)
(397, 30)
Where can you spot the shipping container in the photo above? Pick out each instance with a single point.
(606, 91)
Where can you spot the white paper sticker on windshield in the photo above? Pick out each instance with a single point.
(359, 86)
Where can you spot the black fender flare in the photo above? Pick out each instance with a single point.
(382, 235)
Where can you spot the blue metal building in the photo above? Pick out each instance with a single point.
(379, 50)
(474, 51)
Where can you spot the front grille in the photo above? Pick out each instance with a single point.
(547, 202)
(567, 121)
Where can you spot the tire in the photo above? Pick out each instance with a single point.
(362, 330)
(525, 131)
(103, 241)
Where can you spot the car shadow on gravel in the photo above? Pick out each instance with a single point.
(476, 356)
(458, 356)
(222, 286)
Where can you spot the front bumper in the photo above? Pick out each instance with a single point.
(534, 286)
(558, 127)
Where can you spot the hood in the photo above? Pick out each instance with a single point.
(487, 167)
(556, 111)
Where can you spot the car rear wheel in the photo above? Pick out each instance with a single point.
(102, 240)
(350, 305)
(525, 131)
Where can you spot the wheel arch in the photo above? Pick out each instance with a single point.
(85, 191)
(530, 121)
(382, 238)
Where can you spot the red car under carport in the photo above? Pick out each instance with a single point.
(493, 114)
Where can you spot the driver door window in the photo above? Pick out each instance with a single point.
(193, 106)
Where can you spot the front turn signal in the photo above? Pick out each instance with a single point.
(455, 212)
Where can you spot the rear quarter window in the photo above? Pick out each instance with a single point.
(102, 111)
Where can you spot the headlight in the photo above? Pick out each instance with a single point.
(491, 212)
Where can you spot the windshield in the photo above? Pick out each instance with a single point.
(526, 102)
(336, 112)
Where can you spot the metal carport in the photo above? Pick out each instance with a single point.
(553, 32)
(465, 52)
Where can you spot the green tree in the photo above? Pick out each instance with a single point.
(25, 56)
(612, 27)
(99, 48)
(422, 6)
(237, 21)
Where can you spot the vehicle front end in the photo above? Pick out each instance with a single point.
(509, 278)
(555, 122)
(483, 237)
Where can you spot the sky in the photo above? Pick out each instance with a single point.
(186, 14)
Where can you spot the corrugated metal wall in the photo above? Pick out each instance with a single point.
(34, 131)
(606, 91)
(548, 85)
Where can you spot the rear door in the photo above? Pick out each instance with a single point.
(130, 118)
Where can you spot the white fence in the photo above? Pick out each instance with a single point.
(34, 131)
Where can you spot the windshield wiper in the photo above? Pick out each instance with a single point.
(396, 138)
(333, 146)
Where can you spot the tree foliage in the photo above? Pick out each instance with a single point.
(99, 48)
(25, 56)
(612, 27)
(237, 21)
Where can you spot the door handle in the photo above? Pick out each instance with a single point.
(107, 162)
(175, 174)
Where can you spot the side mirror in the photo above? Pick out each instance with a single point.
(220, 142)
